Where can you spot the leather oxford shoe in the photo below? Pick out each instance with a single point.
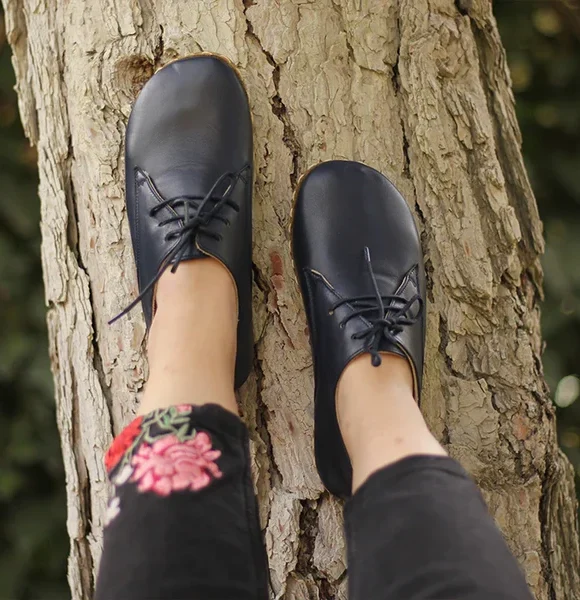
(189, 181)
(360, 267)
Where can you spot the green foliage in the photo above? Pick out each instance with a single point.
(33, 540)
(542, 39)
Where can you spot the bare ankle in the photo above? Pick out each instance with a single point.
(192, 341)
(360, 376)
(195, 280)
(379, 419)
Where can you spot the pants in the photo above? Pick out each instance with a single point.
(183, 523)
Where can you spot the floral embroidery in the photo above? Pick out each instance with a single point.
(113, 510)
(122, 443)
(170, 465)
(162, 453)
(123, 475)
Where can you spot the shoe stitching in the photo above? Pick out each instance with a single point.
(307, 272)
(146, 181)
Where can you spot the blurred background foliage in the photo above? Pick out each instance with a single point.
(33, 541)
(542, 39)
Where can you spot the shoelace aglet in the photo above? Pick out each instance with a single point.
(142, 294)
(125, 311)
(367, 255)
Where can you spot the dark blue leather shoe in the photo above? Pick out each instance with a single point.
(189, 181)
(360, 267)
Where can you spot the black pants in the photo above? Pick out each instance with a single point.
(183, 524)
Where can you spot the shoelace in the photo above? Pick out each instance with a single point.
(388, 323)
(194, 223)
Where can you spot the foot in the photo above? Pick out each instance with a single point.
(189, 182)
(360, 267)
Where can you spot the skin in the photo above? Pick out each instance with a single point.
(378, 416)
(192, 341)
(192, 349)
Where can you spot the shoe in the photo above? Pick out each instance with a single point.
(188, 163)
(359, 263)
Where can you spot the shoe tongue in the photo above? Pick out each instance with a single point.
(406, 288)
(389, 284)
(187, 180)
(352, 277)
(363, 285)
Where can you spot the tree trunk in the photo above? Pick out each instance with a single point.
(416, 89)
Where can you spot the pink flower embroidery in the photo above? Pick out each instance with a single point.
(170, 465)
(184, 408)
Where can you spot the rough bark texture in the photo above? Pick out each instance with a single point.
(418, 89)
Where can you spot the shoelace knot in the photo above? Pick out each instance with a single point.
(192, 223)
(388, 322)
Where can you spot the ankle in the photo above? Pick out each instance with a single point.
(392, 378)
(196, 282)
(193, 336)
(378, 416)
(161, 394)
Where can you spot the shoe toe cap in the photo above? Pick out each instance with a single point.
(343, 206)
(192, 114)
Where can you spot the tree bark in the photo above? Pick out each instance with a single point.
(419, 90)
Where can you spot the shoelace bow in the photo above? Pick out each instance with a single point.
(194, 223)
(387, 323)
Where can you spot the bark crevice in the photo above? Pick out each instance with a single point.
(262, 424)
(278, 107)
(81, 541)
(544, 521)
